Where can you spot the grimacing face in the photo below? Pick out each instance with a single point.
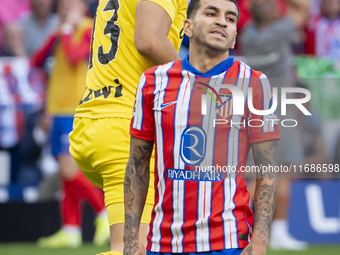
(214, 25)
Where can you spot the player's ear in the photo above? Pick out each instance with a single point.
(187, 27)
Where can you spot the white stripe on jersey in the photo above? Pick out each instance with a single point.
(161, 82)
(138, 110)
(230, 228)
(181, 120)
(249, 228)
(205, 188)
(202, 227)
(178, 216)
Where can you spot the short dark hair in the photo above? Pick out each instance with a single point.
(194, 5)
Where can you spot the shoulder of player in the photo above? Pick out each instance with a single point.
(161, 69)
(253, 73)
(258, 74)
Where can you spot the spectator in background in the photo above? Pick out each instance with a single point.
(266, 42)
(36, 133)
(71, 47)
(39, 25)
(246, 17)
(267, 46)
(323, 31)
(31, 146)
(11, 10)
(13, 41)
(315, 7)
(11, 109)
(12, 120)
(314, 148)
(36, 28)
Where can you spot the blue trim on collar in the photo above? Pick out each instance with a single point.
(216, 70)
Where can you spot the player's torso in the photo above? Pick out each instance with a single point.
(115, 65)
(204, 204)
(67, 81)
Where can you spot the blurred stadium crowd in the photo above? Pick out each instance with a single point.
(311, 54)
(27, 34)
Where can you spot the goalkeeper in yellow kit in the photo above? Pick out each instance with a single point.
(128, 37)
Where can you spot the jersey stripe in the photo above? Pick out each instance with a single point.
(138, 110)
(242, 149)
(190, 213)
(229, 184)
(181, 116)
(161, 82)
(204, 188)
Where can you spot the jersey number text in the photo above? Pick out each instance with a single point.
(113, 30)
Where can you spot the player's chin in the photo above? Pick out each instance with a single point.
(217, 46)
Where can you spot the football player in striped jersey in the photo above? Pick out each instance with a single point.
(196, 209)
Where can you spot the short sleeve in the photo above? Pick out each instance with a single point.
(262, 127)
(142, 122)
(170, 6)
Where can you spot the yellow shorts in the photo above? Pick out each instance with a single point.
(101, 150)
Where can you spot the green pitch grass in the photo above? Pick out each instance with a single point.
(89, 249)
(33, 249)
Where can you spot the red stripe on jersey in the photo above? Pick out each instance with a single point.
(168, 144)
(220, 150)
(232, 74)
(195, 115)
(190, 216)
(244, 74)
(190, 210)
(151, 78)
(217, 207)
(241, 200)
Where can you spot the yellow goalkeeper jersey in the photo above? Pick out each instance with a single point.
(66, 84)
(115, 66)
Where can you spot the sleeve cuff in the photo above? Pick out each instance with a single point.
(148, 136)
(263, 137)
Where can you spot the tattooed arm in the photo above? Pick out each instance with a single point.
(136, 186)
(265, 154)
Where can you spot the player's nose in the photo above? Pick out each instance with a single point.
(221, 21)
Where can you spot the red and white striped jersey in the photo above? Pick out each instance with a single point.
(190, 118)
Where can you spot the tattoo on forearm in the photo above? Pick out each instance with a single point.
(266, 193)
(250, 250)
(265, 153)
(136, 186)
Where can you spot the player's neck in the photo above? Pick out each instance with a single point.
(203, 61)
